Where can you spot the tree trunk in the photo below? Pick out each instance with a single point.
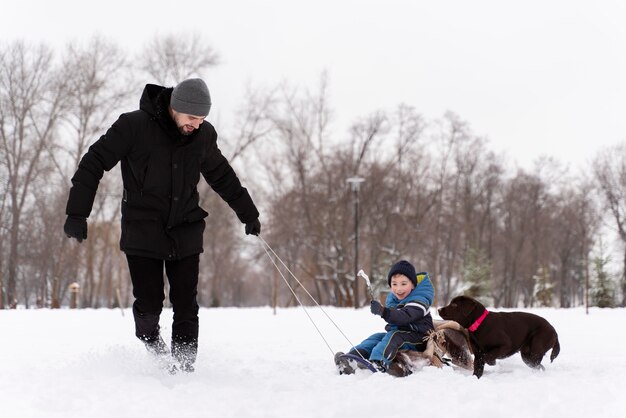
(1, 289)
(13, 260)
(623, 304)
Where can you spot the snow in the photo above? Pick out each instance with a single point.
(252, 363)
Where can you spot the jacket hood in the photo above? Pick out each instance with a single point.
(155, 99)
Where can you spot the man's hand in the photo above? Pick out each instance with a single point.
(253, 228)
(76, 227)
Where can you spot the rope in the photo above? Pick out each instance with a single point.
(266, 246)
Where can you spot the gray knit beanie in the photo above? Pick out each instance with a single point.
(191, 97)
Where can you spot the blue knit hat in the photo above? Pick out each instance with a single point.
(403, 267)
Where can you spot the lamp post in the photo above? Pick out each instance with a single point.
(355, 183)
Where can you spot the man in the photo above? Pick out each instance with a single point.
(164, 147)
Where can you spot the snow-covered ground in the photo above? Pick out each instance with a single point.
(252, 363)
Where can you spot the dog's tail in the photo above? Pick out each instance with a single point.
(556, 349)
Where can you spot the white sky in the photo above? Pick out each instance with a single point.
(536, 77)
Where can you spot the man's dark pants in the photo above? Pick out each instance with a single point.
(147, 277)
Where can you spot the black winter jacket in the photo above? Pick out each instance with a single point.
(161, 216)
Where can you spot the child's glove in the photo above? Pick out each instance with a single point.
(376, 308)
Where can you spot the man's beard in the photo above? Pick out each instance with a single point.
(182, 130)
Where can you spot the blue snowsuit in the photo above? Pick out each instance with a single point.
(408, 322)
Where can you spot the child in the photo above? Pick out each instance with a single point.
(407, 312)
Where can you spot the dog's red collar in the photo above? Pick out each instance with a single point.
(479, 321)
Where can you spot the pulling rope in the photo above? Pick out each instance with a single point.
(267, 247)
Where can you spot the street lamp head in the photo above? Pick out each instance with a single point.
(355, 182)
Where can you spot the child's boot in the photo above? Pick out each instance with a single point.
(343, 364)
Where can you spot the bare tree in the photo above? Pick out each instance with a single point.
(609, 168)
(33, 96)
(308, 203)
(172, 58)
(574, 223)
(521, 197)
(221, 265)
(397, 195)
(98, 75)
(98, 87)
(433, 194)
(4, 224)
(451, 134)
(253, 122)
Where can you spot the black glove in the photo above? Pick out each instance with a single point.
(76, 227)
(376, 308)
(253, 228)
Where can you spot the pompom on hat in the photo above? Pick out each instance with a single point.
(191, 97)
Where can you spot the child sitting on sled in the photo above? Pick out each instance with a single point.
(407, 312)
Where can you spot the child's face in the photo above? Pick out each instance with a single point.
(401, 286)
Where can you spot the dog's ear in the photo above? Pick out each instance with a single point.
(456, 301)
(467, 305)
(467, 310)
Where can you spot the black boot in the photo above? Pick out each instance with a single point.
(184, 351)
(155, 345)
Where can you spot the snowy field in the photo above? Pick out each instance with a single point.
(87, 363)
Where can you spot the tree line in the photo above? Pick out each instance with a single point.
(432, 193)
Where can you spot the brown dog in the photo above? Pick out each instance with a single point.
(497, 335)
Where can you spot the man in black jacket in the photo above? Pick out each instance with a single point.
(164, 147)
